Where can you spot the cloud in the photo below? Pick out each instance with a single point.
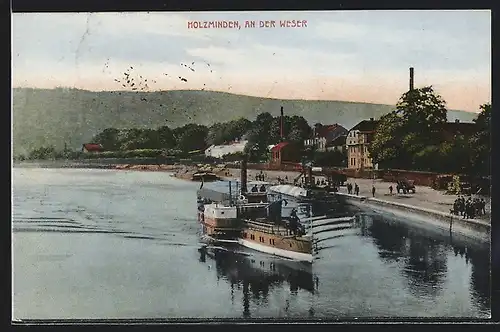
(264, 60)
(340, 55)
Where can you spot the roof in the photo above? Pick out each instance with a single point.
(366, 125)
(93, 147)
(218, 151)
(325, 130)
(279, 146)
(339, 141)
(290, 190)
(459, 127)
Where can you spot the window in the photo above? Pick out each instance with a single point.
(273, 242)
(290, 245)
(245, 235)
(270, 242)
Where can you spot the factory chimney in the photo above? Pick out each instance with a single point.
(411, 78)
(282, 133)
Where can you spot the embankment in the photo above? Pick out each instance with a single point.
(86, 163)
(477, 229)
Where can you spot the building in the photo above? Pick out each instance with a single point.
(324, 135)
(218, 151)
(92, 148)
(338, 144)
(285, 152)
(452, 129)
(357, 142)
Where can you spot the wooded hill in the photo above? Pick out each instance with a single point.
(43, 117)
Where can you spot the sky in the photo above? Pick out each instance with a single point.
(361, 56)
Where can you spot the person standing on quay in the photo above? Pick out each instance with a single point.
(390, 189)
(356, 189)
(373, 191)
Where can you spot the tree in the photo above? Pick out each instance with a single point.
(166, 137)
(317, 127)
(299, 129)
(43, 153)
(455, 156)
(141, 139)
(222, 133)
(108, 138)
(334, 158)
(403, 137)
(191, 137)
(480, 141)
(258, 136)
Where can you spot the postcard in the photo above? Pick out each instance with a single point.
(293, 165)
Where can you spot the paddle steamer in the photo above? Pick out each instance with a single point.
(255, 225)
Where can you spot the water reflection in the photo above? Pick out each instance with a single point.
(258, 275)
(480, 275)
(423, 256)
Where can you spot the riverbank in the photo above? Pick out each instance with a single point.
(426, 204)
(424, 199)
(474, 228)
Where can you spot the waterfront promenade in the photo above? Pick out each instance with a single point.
(424, 197)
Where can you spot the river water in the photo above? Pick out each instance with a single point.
(98, 244)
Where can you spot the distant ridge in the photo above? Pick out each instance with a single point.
(72, 116)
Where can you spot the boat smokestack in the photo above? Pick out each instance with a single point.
(243, 175)
(282, 134)
(411, 79)
(310, 175)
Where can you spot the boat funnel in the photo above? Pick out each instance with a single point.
(243, 175)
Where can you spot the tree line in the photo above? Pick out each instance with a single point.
(192, 139)
(417, 136)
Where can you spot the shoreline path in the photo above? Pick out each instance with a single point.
(424, 197)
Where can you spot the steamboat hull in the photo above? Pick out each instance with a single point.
(297, 256)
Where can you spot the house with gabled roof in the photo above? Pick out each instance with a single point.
(357, 142)
(92, 148)
(324, 136)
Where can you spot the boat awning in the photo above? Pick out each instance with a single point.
(289, 190)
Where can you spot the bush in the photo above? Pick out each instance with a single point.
(138, 153)
(454, 186)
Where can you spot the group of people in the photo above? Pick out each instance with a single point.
(350, 189)
(469, 208)
(282, 181)
(261, 189)
(260, 177)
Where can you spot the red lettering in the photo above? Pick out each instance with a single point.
(290, 24)
(190, 25)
